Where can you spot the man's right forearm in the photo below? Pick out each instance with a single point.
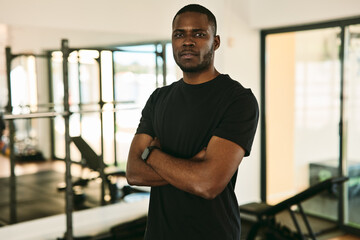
(140, 174)
(137, 171)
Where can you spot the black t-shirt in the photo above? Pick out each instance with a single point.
(184, 117)
(2, 125)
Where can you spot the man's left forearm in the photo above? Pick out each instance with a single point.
(181, 173)
(206, 174)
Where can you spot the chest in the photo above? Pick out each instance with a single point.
(188, 112)
(184, 123)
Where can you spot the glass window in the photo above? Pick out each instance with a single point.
(303, 114)
(352, 120)
(135, 80)
(312, 104)
(127, 76)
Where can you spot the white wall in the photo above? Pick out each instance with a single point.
(280, 13)
(239, 54)
(87, 22)
(34, 25)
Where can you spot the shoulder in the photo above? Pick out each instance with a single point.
(162, 90)
(168, 88)
(226, 83)
(165, 90)
(236, 91)
(160, 94)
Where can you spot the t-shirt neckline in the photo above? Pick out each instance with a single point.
(212, 81)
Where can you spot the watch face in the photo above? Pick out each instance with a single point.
(145, 154)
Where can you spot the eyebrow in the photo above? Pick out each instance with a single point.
(192, 30)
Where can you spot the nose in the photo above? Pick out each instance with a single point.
(189, 41)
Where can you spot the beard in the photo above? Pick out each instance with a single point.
(202, 65)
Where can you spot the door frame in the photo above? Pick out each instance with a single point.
(342, 23)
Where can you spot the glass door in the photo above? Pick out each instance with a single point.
(312, 115)
(352, 126)
(303, 114)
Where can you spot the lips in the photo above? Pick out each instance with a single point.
(188, 54)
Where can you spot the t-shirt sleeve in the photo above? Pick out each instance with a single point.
(147, 114)
(240, 121)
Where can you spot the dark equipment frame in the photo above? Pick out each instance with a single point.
(265, 213)
(50, 114)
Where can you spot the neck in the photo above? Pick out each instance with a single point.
(199, 77)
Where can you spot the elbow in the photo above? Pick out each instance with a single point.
(209, 192)
(132, 179)
(209, 196)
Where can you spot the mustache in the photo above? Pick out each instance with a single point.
(188, 51)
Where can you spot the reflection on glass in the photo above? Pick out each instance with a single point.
(352, 120)
(148, 48)
(303, 112)
(107, 76)
(125, 130)
(83, 88)
(138, 70)
(25, 99)
(108, 134)
(135, 76)
(23, 73)
(57, 80)
(135, 80)
(171, 66)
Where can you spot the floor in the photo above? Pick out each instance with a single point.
(345, 237)
(284, 222)
(33, 167)
(38, 191)
(47, 202)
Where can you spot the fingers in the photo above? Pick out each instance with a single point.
(155, 142)
(200, 156)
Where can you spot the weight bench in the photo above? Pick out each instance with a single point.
(265, 214)
(95, 163)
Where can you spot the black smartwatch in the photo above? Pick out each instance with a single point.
(145, 155)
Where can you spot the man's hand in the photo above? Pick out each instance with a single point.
(155, 142)
(206, 174)
(200, 156)
(137, 171)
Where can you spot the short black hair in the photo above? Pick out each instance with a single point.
(199, 9)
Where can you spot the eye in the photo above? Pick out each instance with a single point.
(178, 35)
(200, 34)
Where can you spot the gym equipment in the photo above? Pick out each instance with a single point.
(62, 111)
(108, 174)
(65, 114)
(265, 214)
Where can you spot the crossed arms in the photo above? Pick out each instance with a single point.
(206, 174)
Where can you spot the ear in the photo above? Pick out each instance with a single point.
(216, 42)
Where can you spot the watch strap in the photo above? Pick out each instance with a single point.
(145, 155)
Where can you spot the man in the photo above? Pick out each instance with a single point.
(2, 126)
(191, 139)
(3, 148)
